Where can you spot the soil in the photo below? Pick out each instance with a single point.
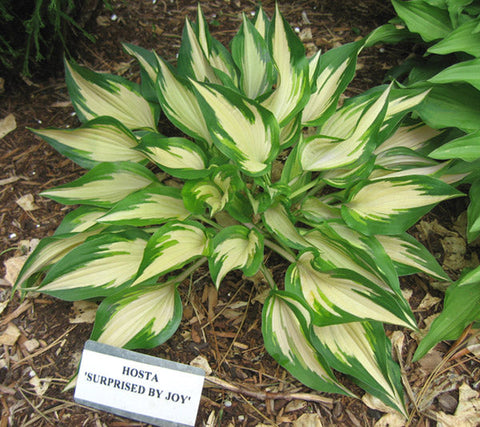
(48, 334)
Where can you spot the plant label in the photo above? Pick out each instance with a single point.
(137, 386)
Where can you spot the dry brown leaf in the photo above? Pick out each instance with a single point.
(122, 67)
(231, 314)
(40, 385)
(467, 413)
(13, 267)
(3, 305)
(84, 312)
(31, 345)
(211, 420)
(308, 420)
(430, 361)
(473, 343)
(7, 124)
(443, 384)
(295, 405)
(212, 301)
(455, 249)
(375, 403)
(9, 180)
(407, 293)
(62, 104)
(393, 419)
(27, 203)
(103, 21)
(306, 34)
(434, 227)
(10, 335)
(397, 338)
(421, 333)
(202, 363)
(428, 302)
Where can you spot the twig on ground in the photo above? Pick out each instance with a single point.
(259, 412)
(40, 413)
(14, 314)
(264, 395)
(43, 350)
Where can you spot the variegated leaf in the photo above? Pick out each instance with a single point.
(362, 351)
(250, 53)
(180, 104)
(344, 176)
(316, 210)
(235, 247)
(192, 59)
(98, 267)
(104, 185)
(178, 157)
(405, 102)
(292, 89)
(391, 206)
(330, 74)
(146, 58)
(400, 161)
(336, 253)
(290, 133)
(197, 194)
(148, 69)
(49, 251)
(278, 222)
(171, 247)
(100, 140)
(293, 174)
(410, 256)
(214, 191)
(96, 94)
(414, 137)
(365, 248)
(241, 129)
(81, 219)
(217, 55)
(285, 323)
(402, 158)
(261, 22)
(400, 102)
(340, 295)
(142, 317)
(153, 205)
(343, 138)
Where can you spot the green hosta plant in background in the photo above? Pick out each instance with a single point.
(265, 160)
(449, 32)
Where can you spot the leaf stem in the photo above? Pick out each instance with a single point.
(268, 276)
(182, 276)
(312, 184)
(209, 222)
(289, 256)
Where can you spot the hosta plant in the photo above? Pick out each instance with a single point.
(265, 159)
(449, 33)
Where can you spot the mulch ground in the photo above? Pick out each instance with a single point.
(41, 338)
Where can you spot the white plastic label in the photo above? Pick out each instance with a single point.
(137, 386)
